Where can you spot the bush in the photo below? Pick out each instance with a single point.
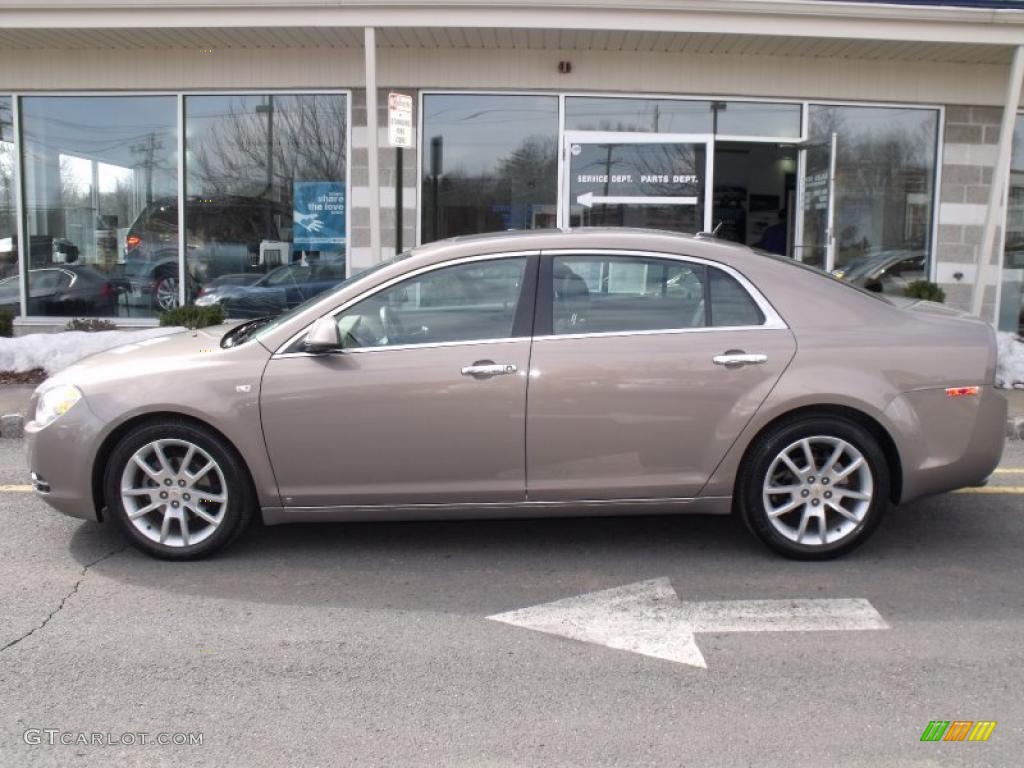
(91, 325)
(923, 289)
(192, 316)
(6, 323)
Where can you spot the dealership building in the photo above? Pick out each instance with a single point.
(152, 151)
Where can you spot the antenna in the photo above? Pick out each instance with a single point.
(718, 226)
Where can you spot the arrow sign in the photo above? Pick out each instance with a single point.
(588, 199)
(648, 618)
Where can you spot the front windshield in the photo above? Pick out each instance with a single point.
(276, 322)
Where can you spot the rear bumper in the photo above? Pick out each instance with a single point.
(947, 443)
(60, 457)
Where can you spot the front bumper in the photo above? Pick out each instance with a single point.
(947, 443)
(60, 458)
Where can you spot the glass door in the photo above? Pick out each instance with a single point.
(816, 241)
(626, 179)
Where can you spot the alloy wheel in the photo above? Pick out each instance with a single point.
(167, 293)
(174, 492)
(818, 490)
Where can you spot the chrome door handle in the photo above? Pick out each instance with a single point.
(735, 359)
(484, 369)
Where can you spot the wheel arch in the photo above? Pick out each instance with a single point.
(862, 419)
(99, 465)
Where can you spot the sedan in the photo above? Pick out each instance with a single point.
(589, 372)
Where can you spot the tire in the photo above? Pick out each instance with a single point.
(823, 510)
(165, 293)
(185, 512)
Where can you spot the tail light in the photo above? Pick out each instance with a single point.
(132, 241)
(107, 290)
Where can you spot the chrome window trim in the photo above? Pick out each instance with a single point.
(278, 353)
(772, 320)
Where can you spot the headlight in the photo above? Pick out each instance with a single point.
(55, 402)
(206, 300)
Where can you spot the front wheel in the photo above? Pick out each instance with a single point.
(814, 489)
(177, 491)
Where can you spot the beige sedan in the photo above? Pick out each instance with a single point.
(592, 372)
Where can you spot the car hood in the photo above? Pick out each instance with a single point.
(161, 360)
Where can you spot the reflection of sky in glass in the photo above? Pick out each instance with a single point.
(478, 131)
(591, 113)
(75, 174)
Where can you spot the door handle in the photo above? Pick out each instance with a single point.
(735, 358)
(485, 369)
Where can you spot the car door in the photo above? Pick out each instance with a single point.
(425, 404)
(644, 370)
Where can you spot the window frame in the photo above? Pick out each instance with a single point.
(524, 316)
(544, 322)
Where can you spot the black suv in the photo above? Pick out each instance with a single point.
(224, 236)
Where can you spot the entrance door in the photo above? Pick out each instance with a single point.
(816, 238)
(626, 179)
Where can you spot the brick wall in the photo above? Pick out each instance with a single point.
(968, 159)
(360, 255)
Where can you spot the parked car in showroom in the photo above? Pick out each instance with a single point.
(534, 374)
(224, 238)
(280, 289)
(888, 272)
(68, 290)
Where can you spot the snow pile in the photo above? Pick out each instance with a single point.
(1010, 373)
(55, 351)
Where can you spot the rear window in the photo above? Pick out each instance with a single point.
(820, 273)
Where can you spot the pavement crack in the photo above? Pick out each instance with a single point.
(63, 601)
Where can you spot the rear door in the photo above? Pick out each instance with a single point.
(644, 370)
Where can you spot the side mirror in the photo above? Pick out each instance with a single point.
(323, 336)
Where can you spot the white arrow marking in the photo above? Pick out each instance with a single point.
(648, 618)
(588, 199)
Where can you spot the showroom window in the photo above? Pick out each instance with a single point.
(884, 184)
(265, 189)
(9, 292)
(725, 118)
(94, 168)
(490, 163)
(1011, 302)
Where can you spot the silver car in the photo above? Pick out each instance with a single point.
(538, 374)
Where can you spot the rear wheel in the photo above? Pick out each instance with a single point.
(815, 488)
(165, 293)
(177, 491)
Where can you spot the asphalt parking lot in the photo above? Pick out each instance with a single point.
(368, 644)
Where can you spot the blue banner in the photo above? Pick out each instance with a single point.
(318, 213)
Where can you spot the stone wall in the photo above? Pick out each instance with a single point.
(968, 159)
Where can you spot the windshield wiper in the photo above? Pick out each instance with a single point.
(240, 333)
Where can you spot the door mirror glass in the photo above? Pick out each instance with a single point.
(323, 336)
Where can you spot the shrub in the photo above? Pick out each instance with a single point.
(6, 322)
(91, 324)
(192, 316)
(923, 289)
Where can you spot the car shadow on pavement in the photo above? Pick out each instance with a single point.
(469, 565)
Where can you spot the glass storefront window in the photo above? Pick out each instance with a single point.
(93, 167)
(9, 299)
(1011, 302)
(607, 113)
(490, 163)
(757, 118)
(884, 185)
(265, 195)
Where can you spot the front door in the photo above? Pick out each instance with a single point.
(625, 179)
(643, 372)
(425, 404)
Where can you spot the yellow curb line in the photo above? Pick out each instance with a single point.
(16, 488)
(1009, 471)
(993, 489)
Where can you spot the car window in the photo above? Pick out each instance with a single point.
(731, 305)
(607, 294)
(465, 302)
